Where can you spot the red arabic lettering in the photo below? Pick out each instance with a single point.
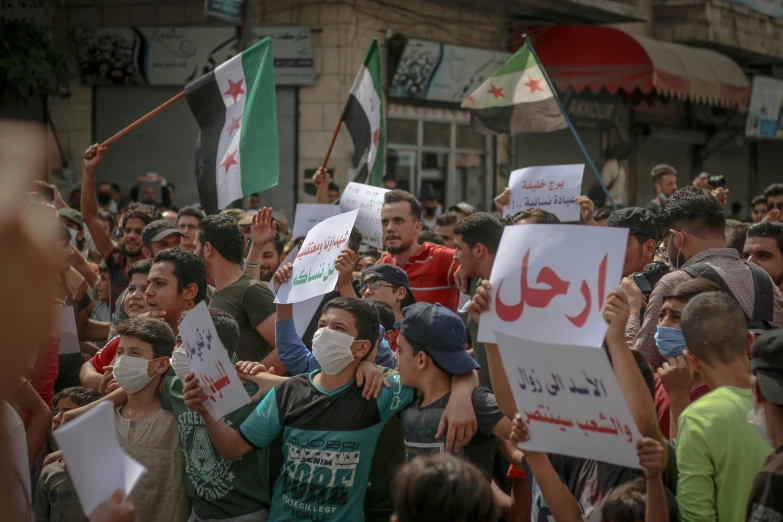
(580, 320)
(602, 280)
(535, 297)
(215, 386)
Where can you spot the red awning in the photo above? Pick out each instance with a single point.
(596, 57)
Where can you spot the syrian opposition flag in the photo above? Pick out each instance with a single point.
(234, 105)
(364, 117)
(516, 99)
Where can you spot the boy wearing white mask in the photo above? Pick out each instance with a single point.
(145, 431)
(766, 502)
(718, 450)
(329, 429)
(676, 384)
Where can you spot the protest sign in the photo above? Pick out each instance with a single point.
(209, 361)
(570, 400)
(65, 330)
(553, 188)
(309, 215)
(97, 464)
(368, 200)
(549, 283)
(314, 272)
(304, 310)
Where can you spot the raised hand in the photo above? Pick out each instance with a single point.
(263, 229)
(93, 156)
(282, 275)
(586, 209)
(503, 199)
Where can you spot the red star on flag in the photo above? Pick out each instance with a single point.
(533, 85)
(497, 93)
(234, 125)
(230, 160)
(376, 136)
(235, 89)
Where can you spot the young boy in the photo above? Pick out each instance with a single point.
(55, 498)
(145, 431)
(96, 373)
(220, 489)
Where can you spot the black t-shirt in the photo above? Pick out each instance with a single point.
(766, 498)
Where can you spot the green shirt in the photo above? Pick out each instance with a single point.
(718, 455)
(218, 488)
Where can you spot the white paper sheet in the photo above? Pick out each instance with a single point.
(368, 201)
(96, 462)
(65, 330)
(314, 272)
(209, 361)
(304, 310)
(549, 283)
(309, 215)
(570, 400)
(552, 188)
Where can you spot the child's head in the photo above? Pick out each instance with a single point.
(386, 317)
(143, 353)
(628, 503)
(103, 286)
(348, 332)
(135, 302)
(70, 399)
(432, 339)
(442, 488)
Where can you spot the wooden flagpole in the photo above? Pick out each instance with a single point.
(331, 145)
(143, 119)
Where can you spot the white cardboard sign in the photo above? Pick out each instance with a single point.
(305, 310)
(570, 400)
(309, 215)
(314, 272)
(96, 462)
(552, 188)
(549, 283)
(65, 330)
(368, 201)
(209, 361)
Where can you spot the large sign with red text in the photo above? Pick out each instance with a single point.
(570, 400)
(549, 283)
(314, 271)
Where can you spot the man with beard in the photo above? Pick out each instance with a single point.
(764, 246)
(692, 224)
(643, 237)
(187, 222)
(664, 180)
(430, 267)
(117, 258)
(251, 303)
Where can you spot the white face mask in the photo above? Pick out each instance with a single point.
(73, 234)
(179, 361)
(131, 373)
(759, 421)
(332, 350)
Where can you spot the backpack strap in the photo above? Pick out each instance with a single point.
(706, 271)
(764, 306)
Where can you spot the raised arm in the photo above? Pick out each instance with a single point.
(262, 231)
(345, 264)
(321, 182)
(89, 203)
(40, 421)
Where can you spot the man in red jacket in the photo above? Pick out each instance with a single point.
(430, 267)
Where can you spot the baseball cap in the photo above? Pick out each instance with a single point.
(463, 206)
(442, 333)
(767, 365)
(157, 230)
(73, 215)
(390, 273)
(638, 220)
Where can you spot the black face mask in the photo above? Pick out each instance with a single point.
(104, 198)
(430, 211)
(148, 201)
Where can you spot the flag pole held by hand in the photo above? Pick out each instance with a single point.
(331, 145)
(144, 118)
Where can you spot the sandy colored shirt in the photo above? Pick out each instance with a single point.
(154, 442)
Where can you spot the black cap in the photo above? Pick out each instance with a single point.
(638, 220)
(767, 365)
(442, 333)
(389, 273)
(158, 230)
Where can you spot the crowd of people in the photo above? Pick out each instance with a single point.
(387, 407)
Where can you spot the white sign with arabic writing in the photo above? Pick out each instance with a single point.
(309, 215)
(314, 270)
(303, 310)
(553, 188)
(570, 400)
(368, 200)
(209, 361)
(549, 283)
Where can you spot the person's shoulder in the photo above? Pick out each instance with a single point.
(717, 404)
(439, 250)
(259, 290)
(52, 470)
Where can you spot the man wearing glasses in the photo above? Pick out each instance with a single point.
(692, 225)
(388, 283)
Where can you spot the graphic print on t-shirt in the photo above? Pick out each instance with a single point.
(211, 475)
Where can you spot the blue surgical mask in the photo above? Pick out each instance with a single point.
(670, 341)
